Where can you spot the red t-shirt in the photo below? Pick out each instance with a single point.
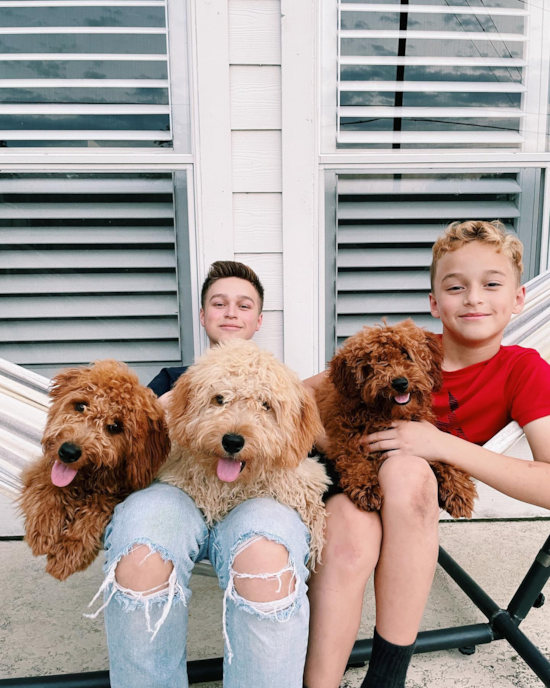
(478, 401)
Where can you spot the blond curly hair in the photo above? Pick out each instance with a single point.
(493, 234)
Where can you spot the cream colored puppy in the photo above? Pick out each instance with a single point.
(242, 425)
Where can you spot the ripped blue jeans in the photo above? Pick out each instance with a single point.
(265, 643)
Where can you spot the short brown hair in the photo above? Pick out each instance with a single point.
(230, 268)
(491, 233)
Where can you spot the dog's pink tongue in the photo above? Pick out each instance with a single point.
(228, 470)
(402, 398)
(62, 474)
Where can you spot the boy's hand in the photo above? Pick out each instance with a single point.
(408, 438)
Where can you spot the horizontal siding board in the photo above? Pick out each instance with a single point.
(91, 329)
(255, 97)
(69, 353)
(257, 161)
(86, 235)
(269, 268)
(270, 336)
(445, 210)
(83, 259)
(385, 280)
(18, 210)
(94, 283)
(142, 305)
(254, 32)
(258, 222)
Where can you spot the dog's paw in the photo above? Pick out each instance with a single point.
(367, 498)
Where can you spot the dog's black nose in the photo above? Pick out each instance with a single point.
(69, 452)
(400, 384)
(232, 443)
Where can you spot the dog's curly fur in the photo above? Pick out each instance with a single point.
(119, 427)
(237, 388)
(357, 398)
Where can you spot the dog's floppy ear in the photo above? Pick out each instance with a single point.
(348, 371)
(149, 443)
(308, 429)
(66, 381)
(178, 406)
(435, 348)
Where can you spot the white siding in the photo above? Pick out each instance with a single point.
(256, 158)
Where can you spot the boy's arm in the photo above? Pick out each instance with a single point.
(311, 384)
(528, 481)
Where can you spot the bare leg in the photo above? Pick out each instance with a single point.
(336, 589)
(404, 574)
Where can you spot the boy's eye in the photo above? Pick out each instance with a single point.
(494, 284)
(455, 288)
(80, 406)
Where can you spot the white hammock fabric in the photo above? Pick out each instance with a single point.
(24, 394)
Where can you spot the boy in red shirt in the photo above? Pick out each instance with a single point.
(475, 273)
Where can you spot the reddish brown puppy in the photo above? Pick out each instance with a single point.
(383, 374)
(105, 437)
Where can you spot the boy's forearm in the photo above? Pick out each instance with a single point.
(528, 481)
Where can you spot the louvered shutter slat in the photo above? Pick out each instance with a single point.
(81, 306)
(76, 330)
(93, 235)
(428, 184)
(83, 259)
(86, 274)
(384, 280)
(50, 353)
(436, 210)
(24, 210)
(92, 283)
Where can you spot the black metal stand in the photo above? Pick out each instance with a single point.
(502, 624)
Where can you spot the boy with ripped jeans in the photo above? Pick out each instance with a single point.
(475, 274)
(158, 534)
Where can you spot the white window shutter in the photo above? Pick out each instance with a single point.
(88, 269)
(379, 256)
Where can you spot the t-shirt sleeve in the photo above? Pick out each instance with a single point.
(530, 378)
(165, 380)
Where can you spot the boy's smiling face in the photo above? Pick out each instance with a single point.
(231, 310)
(475, 293)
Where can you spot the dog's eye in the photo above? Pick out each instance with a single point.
(80, 406)
(219, 400)
(406, 354)
(115, 428)
(266, 406)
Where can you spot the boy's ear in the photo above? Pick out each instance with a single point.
(434, 309)
(520, 300)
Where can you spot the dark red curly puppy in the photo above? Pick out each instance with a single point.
(105, 437)
(383, 374)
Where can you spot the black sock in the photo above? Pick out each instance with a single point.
(388, 664)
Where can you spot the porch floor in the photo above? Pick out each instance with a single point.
(42, 630)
